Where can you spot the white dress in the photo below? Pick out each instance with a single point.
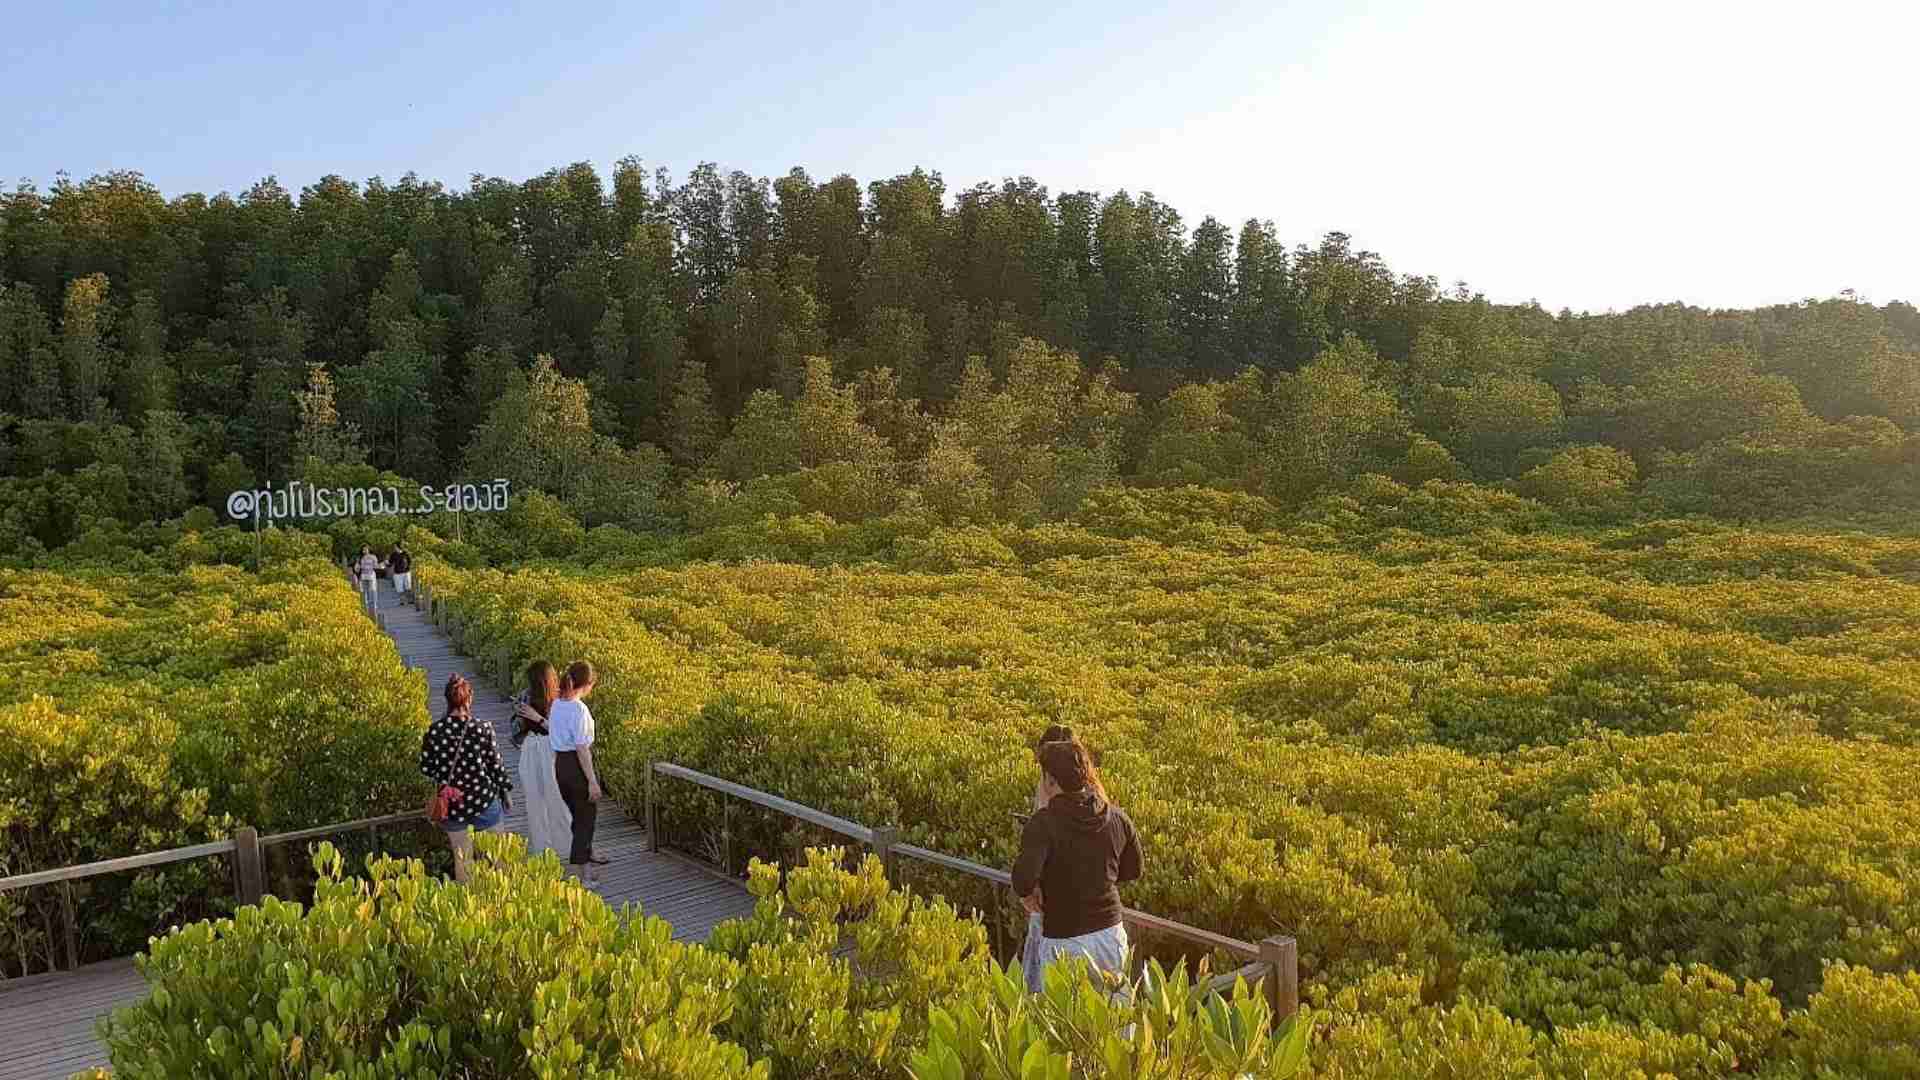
(549, 822)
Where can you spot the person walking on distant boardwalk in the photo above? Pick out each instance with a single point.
(1030, 961)
(400, 566)
(368, 567)
(459, 754)
(549, 822)
(1075, 852)
(570, 731)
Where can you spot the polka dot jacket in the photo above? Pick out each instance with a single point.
(460, 750)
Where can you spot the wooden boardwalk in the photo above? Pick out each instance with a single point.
(46, 1022)
(693, 899)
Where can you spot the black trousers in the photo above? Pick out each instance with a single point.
(573, 792)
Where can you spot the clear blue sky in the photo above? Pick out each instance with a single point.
(1587, 155)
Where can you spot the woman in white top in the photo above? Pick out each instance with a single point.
(369, 568)
(570, 731)
(549, 822)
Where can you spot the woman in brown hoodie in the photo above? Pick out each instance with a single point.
(1075, 852)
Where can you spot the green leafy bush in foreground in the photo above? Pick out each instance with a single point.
(523, 973)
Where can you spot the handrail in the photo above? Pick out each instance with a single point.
(112, 866)
(1245, 950)
(1274, 960)
(342, 826)
(1224, 981)
(193, 851)
(954, 862)
(246, 846)
(841, 825)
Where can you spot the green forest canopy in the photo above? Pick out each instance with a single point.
(647, 349)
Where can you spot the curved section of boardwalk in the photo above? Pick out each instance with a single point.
(46, 1022)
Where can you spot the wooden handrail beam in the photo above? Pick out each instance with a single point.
(340, 827)
(1245, 950)
(114, 866)
(194, 851)
(954, 862)
(1275, 960)
(1223, 982)
(851, 829)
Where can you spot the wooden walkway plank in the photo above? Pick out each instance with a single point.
(47, 1022)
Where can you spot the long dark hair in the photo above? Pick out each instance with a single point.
(543, 686)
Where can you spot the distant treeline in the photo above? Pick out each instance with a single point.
(993, 352)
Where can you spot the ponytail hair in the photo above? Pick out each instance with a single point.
(1089, 774)
(459, 694)
(578, 676)
(1067, 764)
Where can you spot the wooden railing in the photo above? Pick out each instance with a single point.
(1274, 961)
(246, 846)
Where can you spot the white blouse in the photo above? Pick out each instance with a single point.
(569, 725)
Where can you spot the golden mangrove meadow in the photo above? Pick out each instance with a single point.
(1553, 677)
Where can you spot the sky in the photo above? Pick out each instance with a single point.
(1592, 156)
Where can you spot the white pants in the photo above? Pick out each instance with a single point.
(1105, 950)
(370, 585)
(403, 583)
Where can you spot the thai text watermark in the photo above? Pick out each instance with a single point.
(299, 499)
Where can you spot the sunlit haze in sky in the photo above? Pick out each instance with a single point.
(1587, 155)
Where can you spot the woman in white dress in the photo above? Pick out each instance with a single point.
(549, 823)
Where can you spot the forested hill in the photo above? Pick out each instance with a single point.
(1000, 349)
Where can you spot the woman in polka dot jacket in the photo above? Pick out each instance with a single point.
(459, 754)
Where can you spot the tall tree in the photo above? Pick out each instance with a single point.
(29, 357)
(706, 243)
(145, 382)
(505, 318)
(1204, 300)
(1337, 417)
(86, 318)
(272, 340)
(540, 434)
(162, 450)
(322, 438)
(693, 428)
(1264, 328)
(390, 396)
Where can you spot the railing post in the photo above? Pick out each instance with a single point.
(726, 835)
(73, 926)
(1281, 954)
(652, 817)
(999, 923)
(247, 864)
(884, 837)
